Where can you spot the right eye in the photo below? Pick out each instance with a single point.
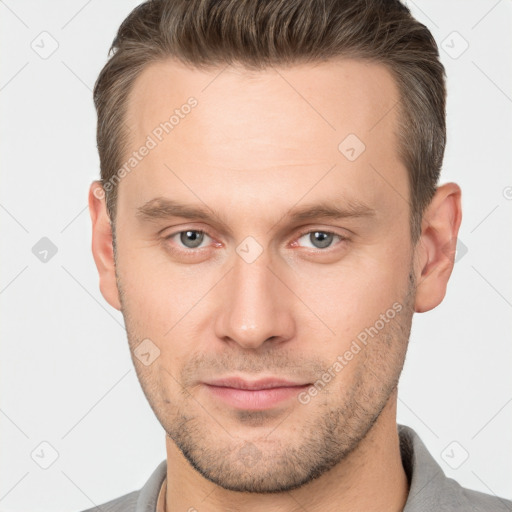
(190, 238)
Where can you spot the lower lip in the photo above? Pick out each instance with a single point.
(255, 400)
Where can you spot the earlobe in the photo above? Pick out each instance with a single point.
(435, 251)
(102, 248)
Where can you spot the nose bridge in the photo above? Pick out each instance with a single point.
(255, 305)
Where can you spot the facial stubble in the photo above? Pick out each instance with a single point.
(324, 432)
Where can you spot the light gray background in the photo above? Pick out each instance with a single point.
(66, 375)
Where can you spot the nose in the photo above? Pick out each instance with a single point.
(256, 305)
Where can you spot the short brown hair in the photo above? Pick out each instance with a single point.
(262, 33)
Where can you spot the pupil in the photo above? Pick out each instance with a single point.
(321, 239)
(191, 239)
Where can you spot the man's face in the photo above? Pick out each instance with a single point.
(251, 290)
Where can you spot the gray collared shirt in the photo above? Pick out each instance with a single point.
(429, 489)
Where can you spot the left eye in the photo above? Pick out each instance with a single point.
(320, 239)
(191, 238)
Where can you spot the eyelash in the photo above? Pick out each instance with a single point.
(308, 231)
(300, 235)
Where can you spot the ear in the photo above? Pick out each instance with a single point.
(102, 249)
(435, 250)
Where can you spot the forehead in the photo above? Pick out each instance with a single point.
(265, 128)
(334, 97)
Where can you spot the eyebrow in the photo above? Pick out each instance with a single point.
(161, 208)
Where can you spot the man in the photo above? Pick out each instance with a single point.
(268, 220)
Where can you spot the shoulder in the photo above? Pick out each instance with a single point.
(126, 503)
(143, 500)
(452, 497)
(430, 489)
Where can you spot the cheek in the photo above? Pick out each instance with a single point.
(156, 291)
(352, 296)
(164, 302)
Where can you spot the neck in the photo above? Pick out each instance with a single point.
(370, 478)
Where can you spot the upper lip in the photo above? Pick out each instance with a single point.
(266, 383)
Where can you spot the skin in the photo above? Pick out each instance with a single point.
(257, 145)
